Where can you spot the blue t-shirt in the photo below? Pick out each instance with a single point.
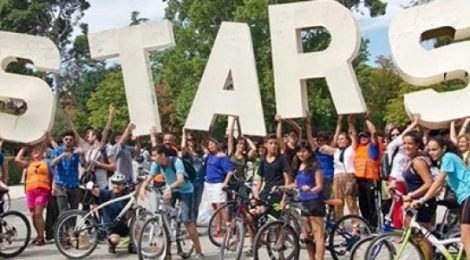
(66, 171)
(307, 177)
(327, 164)
(170, 174)
(458, 175)
(111, 211)
(197, 160)
(217, 168)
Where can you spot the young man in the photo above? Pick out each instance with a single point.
(95, 160)
(109, 213)
(288, 146)
(66, 160)
(123, 154)
(177, 187)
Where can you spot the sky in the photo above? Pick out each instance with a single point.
(109, 14)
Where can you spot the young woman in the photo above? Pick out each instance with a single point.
(418, 180)
(38, 186)
(462, 140)
(453, 169)
(309, 180)
(239, 156)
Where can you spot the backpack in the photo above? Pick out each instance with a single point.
(104, 152)
(386, 167)
(190, 172)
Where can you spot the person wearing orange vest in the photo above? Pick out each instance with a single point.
(38, 186)
(367, 166)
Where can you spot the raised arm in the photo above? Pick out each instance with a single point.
(107, 127)
(252, 148)
(280, 138)
(230, 141)
(51, 140)
(453, 134)
(352, 131)
(413, 124)
(337, 130)
(464, 127)
(153, 137)
(69, 123)
(125, 135)
(372, 129)
(19, 159)
(308, 123)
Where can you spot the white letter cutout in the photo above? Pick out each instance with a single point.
(39, 116)
(132, 45)
(232, 57)
(422, 67)
(292, 67)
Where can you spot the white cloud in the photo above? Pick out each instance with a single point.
(108, 14)
(368, 23)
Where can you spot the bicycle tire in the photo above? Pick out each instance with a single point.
(342, 240)
(210, 229)
(64, 241)
(385, 246)
(262, 238)
(137, 223)
(358, 252)
(154, 228)
(238, 230)
(8, 229)
(182, 241)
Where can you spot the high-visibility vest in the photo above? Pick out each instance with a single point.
(37, 176)
(365, 167)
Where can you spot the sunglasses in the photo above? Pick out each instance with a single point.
(68, 139)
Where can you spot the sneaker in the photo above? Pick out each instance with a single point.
(40, 241)
(35, 241)
(112, 249)
(199, 256)
(249, 252)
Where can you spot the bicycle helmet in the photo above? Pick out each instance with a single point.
(118, 178)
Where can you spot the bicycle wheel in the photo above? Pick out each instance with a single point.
(137, 222)
(345, 233)
(184, 244)
(15, 233)
(358, 252)
(387, 245)
(216, 236)
(154, 239)
(276, 241)
(232, 245)
(75, 236)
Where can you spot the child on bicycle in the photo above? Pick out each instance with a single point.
(177, 187)
(109, 213)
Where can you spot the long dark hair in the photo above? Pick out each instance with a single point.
(417, 138)
(448, 144)
(312, 160)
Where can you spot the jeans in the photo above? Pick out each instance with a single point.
(198, 189)
(67, 198)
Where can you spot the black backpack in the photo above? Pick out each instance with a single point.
(190, 172)
(386, 166)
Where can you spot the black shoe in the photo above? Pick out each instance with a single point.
(112, 249)
(131, 249)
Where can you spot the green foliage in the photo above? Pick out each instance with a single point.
(14, 172)
(109, 91)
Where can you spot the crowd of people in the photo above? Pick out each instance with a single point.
(347, 165)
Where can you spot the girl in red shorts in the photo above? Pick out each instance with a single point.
(37, 187)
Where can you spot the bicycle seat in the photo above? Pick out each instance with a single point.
(334, 202)
(450, 204)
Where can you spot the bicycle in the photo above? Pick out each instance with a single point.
(5, 201)
(78, 232)
(340, 236)
(161, 230)
(403, 244)
(15, 233)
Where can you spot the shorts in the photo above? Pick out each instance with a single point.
(37, 197)
(120, 229)
(426, 214)
(186, 203)
(214, 193)
(313, 208)
(465, 211)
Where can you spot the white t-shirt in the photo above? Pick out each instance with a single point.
(347, 165)
(100, 174)
(401, 159)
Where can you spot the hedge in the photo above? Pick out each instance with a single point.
(14, 172)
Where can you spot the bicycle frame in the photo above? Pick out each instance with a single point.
(439, 244)
(132, 199)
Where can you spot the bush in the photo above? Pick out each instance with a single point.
(14, 172)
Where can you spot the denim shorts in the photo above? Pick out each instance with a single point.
(186, 203)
